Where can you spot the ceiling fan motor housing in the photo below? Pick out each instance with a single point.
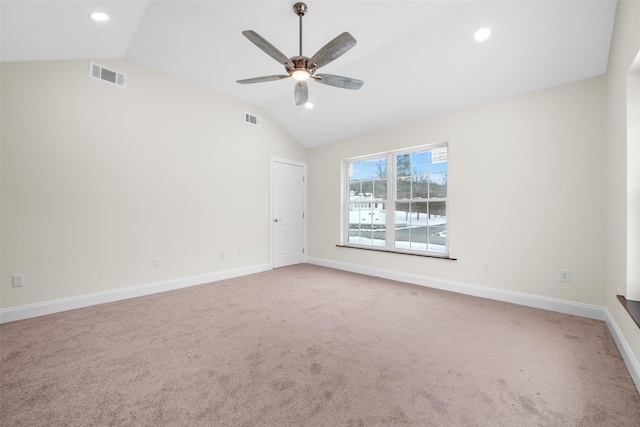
(301, 63)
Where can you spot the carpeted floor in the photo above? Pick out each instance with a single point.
(312, 346)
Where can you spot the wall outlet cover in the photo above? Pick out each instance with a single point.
(565, 276)
(17, 280)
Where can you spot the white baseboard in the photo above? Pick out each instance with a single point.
(625, 351)
(63, 304)
(552, 304)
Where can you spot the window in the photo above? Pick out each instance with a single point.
(397, 201)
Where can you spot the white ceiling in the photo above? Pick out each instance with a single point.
(417, 58)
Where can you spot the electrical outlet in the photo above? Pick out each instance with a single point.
(240, 253)
(565, 276)
(222, 255)
(157, 263)
(485, 265)
(17, 280)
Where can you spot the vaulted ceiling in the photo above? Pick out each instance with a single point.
(417, 58)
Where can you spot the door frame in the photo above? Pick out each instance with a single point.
(273, 161)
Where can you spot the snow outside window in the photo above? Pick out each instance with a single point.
(397, 201)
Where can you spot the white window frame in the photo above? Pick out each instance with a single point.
(390, 202)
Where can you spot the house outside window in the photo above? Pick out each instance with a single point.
(397, 201)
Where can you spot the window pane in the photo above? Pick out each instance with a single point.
(411, 226)
(403, 188)
(354, 171)
(438, 160)
(367, 170)
(437, 227)
(367, 223)
(438, 167)
(380, 169)
(419, 213)
(354, 189)
(401, 225)
(379, 236)
(438, 185)
(419, 226)
(360, 237)
(380, 189)
(367, 189)
(419, 235)
(355, 223)
(419, 162)
(437, 209)
(403, 165)
(420, 187)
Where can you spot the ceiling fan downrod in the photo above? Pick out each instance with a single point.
(300, 9)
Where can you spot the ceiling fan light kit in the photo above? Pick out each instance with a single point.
(302, 68)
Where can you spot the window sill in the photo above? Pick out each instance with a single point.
(397, 252)
(632, 307)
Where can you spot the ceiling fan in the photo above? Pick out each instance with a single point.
(302, 68)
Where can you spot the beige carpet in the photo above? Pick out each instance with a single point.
(311, 346)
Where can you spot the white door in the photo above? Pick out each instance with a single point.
(288, 214)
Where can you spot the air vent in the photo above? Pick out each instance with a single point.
(252, 119)
(99, 72)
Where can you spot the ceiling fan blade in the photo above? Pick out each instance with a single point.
(332, 50)
(263, 79)
(268, 48)
(338, 81)
(301, 93)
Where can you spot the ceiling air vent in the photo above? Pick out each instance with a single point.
(99, 72)
(252, 119)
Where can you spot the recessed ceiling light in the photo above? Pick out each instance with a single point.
(99, 16)
(482, 34)
(308, 105)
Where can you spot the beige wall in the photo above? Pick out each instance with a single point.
(525, 178)
(624, 48)
(97, 181)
